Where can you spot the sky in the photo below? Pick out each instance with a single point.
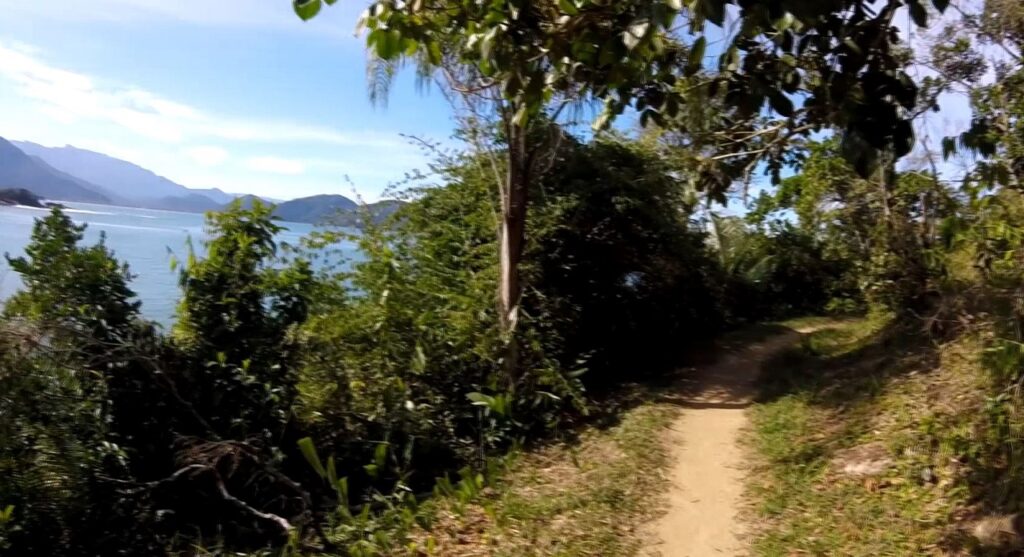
(239, 95)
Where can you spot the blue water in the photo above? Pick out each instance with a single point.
(146, 239)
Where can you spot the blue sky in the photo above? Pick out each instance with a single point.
(239, 95)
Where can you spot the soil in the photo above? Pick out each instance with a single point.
(707, 478)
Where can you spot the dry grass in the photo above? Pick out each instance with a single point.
(588, 498)
(853, 388)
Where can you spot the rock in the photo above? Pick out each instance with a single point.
(1001, 532)
(870, 459)
(928, 475)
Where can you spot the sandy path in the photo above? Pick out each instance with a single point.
(707, 476)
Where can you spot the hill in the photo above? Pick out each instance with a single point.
(215, 194)
(192, 203)
(20, 170)
(337, 210)
(354, 218)
(314, 209)
(19, 196)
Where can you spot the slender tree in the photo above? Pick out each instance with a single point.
(530, 57)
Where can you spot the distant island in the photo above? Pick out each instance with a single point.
(30, 171)
(337, 210)
(20, 196)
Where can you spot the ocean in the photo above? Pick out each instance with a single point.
(147, 239)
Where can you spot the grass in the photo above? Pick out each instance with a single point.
(585, 499)
(860, 388)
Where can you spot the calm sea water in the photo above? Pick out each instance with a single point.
(146, 239)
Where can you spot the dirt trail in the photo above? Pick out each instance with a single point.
(707, 475)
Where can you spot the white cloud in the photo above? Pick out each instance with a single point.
(53, 105)
(276, 165)
(65, 96)
(207, 155)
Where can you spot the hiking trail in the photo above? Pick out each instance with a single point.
(706, 477)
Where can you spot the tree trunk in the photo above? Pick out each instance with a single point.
(511, 237)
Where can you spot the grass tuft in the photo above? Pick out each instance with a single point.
(862, 392)
(588, 498)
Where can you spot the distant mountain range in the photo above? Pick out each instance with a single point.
(18, 170)
(72, 174)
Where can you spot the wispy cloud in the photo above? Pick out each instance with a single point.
(67, 96)
(55, 104)
(276, 165)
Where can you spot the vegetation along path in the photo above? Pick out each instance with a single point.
(706, 476)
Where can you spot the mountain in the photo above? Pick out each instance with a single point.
(215, 194)
(127, 183)
(328, 209)
(192, 203)
(72, 174)
(314, 209)
(121, 178)
(19, 170)
(378, 212)
(247, 200)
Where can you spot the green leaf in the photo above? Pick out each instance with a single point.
(306, 9)
(332, 471)
(380, 455)
(479, 399)
(521, 117)
(371, 470)
(487, 44)
(568, 7)
(903, 141)
(309, 451)
(389, 44)
(434, 53)
(948, 147)
(676, 5)
(780, 103)
(636, 33)
(853, 46)
(713, 10)
(784, 22)
(602, 121)
(918, 13)
(696, 58)
(419, 361)
(732, 59)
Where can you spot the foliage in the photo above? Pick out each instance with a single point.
(629, 54)
(521, 63)
(588, 497)
(882, 231)
(57, 432)
(235, 320)
(454, 336)
(82, 288)
(106, 416)
(414, 359)
(615, 274)
(852, 394)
